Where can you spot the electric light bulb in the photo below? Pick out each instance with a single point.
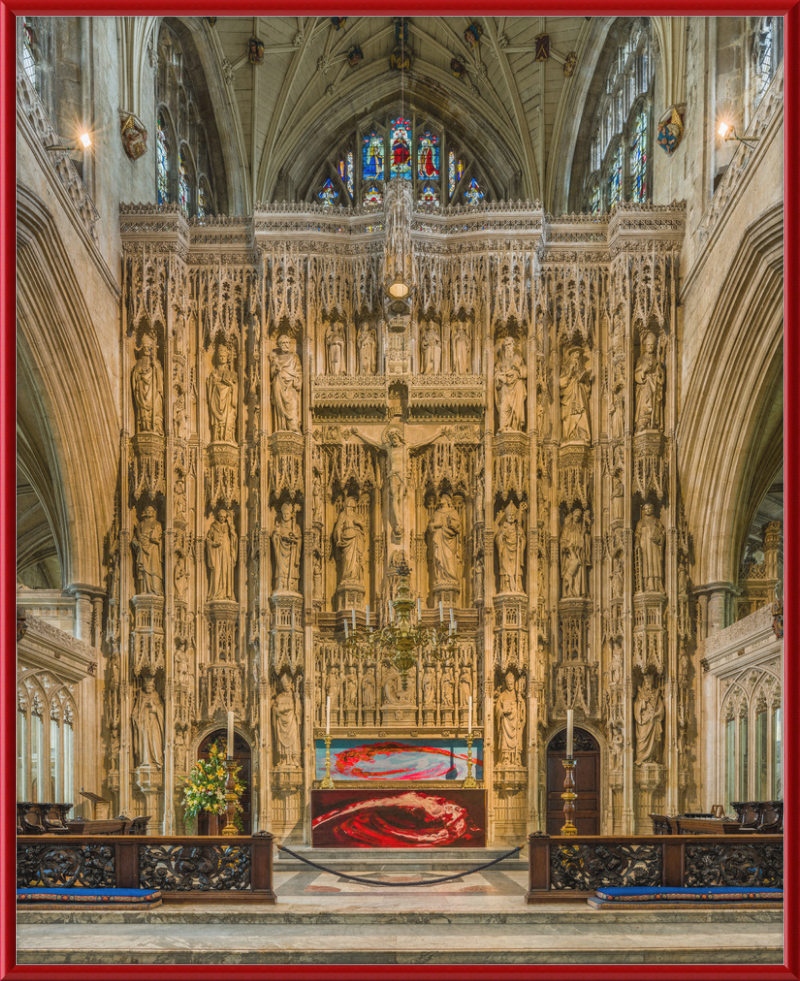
(86, 140)
(723, 130)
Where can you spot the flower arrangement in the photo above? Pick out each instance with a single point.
(205, 785)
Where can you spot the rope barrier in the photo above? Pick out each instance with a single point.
(420, 882)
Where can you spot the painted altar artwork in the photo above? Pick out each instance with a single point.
(433, 759)
(402, 818)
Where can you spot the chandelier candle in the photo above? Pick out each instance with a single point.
(328, 716)
(230, 735)
(469, 719)
(569, 734)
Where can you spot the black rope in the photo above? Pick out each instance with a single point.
(420, 882)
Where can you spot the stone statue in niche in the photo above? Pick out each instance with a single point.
(147, 543)
(222, 547)
(367, 349)
(332, 686)
(464, 686)
(349, 537)
(429, 686)
(350, 688)
(649, 378)
(392, 686)
(287, 384)
(317, 576)
(648, 713)
(222, 389)
(576, 383)
(179, 416)
(617, 576)
(510, 548)
(318, 504)
(461, 348)
(576, 551)
(617, 750)
(148, 725)
(649, 545)
(337, 348)
(180, 577)
(287, 711)
(368, 690)
(147, 381)
(179, 497)
(477, 568)
(286, 544)
(448, 688)
(445, 532)
(509, 713)
(510, 389)
(431, 349)
(616, 661)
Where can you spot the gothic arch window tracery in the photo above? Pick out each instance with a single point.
(46, 718)
(765, 55)
(751, 733)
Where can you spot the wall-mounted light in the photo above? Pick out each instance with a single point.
(397, 289)
(728, 133)
(83, 140)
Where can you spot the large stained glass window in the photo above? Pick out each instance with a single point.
(428, 157)
(350, 173)
(474, 194)
(28, 51)
(400, 148)
(202, 201)
(183, 182)
(328, 194)
(638, 161)
(429, 196)
(162, 162)
(594, 200)
(373, 157)
(455, 171)
(614, 180)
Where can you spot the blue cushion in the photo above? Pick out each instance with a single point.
(65, 895)
(700, 893)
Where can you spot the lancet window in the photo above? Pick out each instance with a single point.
(45, 739)
(28, 50)
(753, 739)
(766, 55)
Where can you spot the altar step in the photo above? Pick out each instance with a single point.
(364, 860)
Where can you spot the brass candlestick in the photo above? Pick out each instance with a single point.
(569, 797)
(327, 783)
(469, 781)
(230, 798)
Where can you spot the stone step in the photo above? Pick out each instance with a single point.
(358, 860)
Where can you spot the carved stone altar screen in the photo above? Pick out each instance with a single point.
(290, 436)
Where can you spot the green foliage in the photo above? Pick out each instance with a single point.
(205, 786)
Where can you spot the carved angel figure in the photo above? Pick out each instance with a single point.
(575, 387)
(147, 382)
(287, 384)
(222, 547)
(222, 390)
(148, 725)
(649, 378)
(510, 373)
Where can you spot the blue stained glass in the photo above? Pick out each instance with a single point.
(614, 184)
(373, 157)
(639, 159)
(162, 163)
(373, 196)
(428, 157)
(455, 171)
(343, 170)
(350, 173)
(474, 194)
(594, 201)
(401, 148)
(328, 194)
(429, 195)
(183, 183)
(202, 201)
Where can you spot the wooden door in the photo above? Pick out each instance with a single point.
(587, 783)
(241, 753)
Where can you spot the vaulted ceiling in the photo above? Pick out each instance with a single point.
(519, 115)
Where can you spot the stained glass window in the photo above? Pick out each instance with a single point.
(28, 49)
(343, 171)
(428, 157)
(373, 196)
(328, 194)
(373, 157)
(455, 171)
(638, 162)
(429, 195)
(594, 201)
(474, 194)
(202, 201)
(401, 148)
(614, 181)
(350, 173)
(162, 162)
(183, 182)
(768, 45)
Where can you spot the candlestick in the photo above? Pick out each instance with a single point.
(469, 780)
(569, 734)
(327, 783)
(230, 796)
(230, 735)
(328, 714)
(367, 614)
(569, 797)
(470, 715)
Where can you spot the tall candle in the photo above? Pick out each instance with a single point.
(230, 735)
(569, 734)
(391, 614)
(292, 618)
(367, 614)
(354, 618)
(441, 612)
(345, 630)
(419, 608)
(470, 714)
(451, 614)
(328, 715)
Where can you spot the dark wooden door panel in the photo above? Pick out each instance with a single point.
(587, 787)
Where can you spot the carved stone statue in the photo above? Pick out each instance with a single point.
(429, 686)
(287, 711)
(431, 347)
(222, 390)
(509, 713)
(332, 686)
(337, 351)
(318, 502)
(287, 384)
(147, 382)
(649, 545)
(180, 577)
(222, 549)
(650, 379)
(510, 549)
(464, 686)
(575, 387)
(576, 550)
(147, 545)
(445, 532)
(349, 538)
(461, 348)
(448, 688)
(510, 390)
(367, 349)
(368, 690)
(648, 712)
(392, 686)
(286, 544)
(350, 688)
(148, 725)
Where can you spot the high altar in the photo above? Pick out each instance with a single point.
(293, 433)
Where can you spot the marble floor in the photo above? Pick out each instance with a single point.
(321, 918)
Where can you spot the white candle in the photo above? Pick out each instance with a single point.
(569, 734)
(328, 715)
(292, 618)
(441, 612)
(345, 630)
(391, 614)
(419, 608)
(354, 618)
(367, 614)
(470, 714)
(230, 735)
(451, 614)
